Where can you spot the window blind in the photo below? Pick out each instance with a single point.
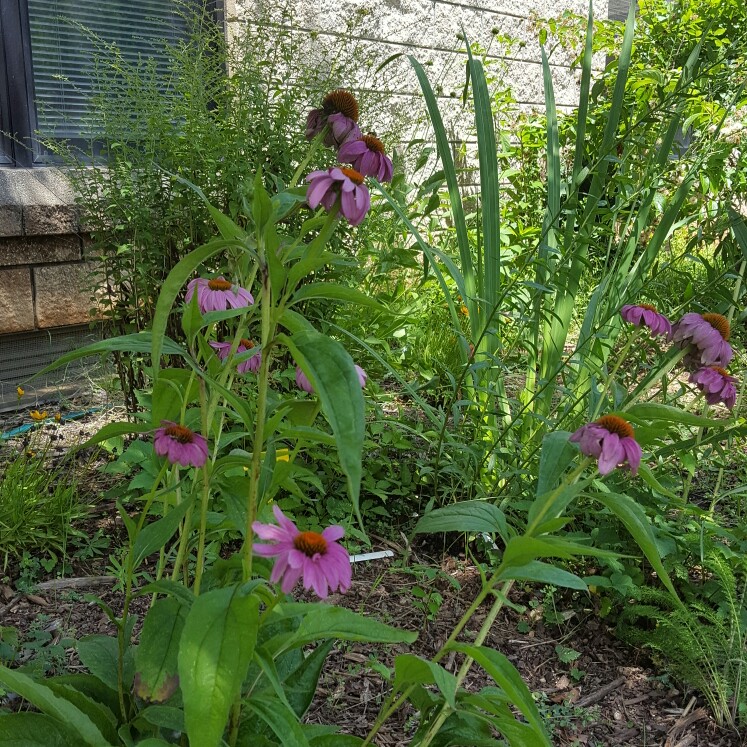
(64, 53)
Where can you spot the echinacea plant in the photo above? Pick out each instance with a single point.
(252, 363)
(610, 440)
(316, 558)
(709, 336)
(645, 315)
(339, 186)
(218, 294)
(716, 384)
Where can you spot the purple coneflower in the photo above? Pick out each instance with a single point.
(709, 333)
(323, 564)
(180, 445)
(611, 440)
(250, 364)
(716, 384)
(340, 112)
(325, 187)
(367, 156)
(302, 381)
(645, 315)
(218, 294)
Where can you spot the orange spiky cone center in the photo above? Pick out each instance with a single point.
(248, 344)
(719, 323)
(180, 433)
(615, 424)
(352, 174)
(374, 143)
(310, 543)
(341, 101)
(648, 307)
(219, 285)
(720, 370)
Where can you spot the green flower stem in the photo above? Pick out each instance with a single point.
(445, 710)
(313, 148)
(653, 377)
(394, 702)
(204, 502)
(611, 375)
(698, 438)
(737, 290)
(162, 553)
(259, 433)
(122, 623)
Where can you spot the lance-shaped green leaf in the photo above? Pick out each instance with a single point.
(509, 680)
(410, 669)
(217, 644)
(648, 411)
(335, 292)
(331, 371)
(156, 677)
(466, 516)
(155, 535)
(52, 705)
(636, 522)
(34, 730)
(543, 573)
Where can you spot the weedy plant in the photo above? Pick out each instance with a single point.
(223, 653)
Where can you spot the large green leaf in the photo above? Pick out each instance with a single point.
(156, 534)
(655, 411)
(174, 387)
(101, 715)
(410, 669)
(322, 621)
(336, 292)
(112, 430)
(636, 522)
(34, 730)
(173, 285)
(555, 457)
(156, 656)
(509, 680)
(300, 685)
(140, 342)
(543, 573)
(216, 647)
(52, 705)
(466, 516)
(283, 722)
(100, 653)
(331, 371)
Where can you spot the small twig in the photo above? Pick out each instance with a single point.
(598, 695)
(81, 582)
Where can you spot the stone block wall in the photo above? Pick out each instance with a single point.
(43, 271)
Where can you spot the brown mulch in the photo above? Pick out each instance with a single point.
(612, 698)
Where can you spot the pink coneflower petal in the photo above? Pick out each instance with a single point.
(180, 445)
(610, 440)
(217, 294)
(326, 187)
(318, 559)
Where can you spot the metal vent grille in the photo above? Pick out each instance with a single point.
(23, 354)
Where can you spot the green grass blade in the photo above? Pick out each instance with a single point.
(489, 191)
(455, 199)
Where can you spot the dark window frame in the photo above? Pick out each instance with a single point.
(18, 113)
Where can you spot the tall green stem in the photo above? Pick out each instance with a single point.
(394, 702)
(314, 147)
(205, 499)
(259, 428)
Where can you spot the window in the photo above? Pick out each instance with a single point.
(48, 57)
